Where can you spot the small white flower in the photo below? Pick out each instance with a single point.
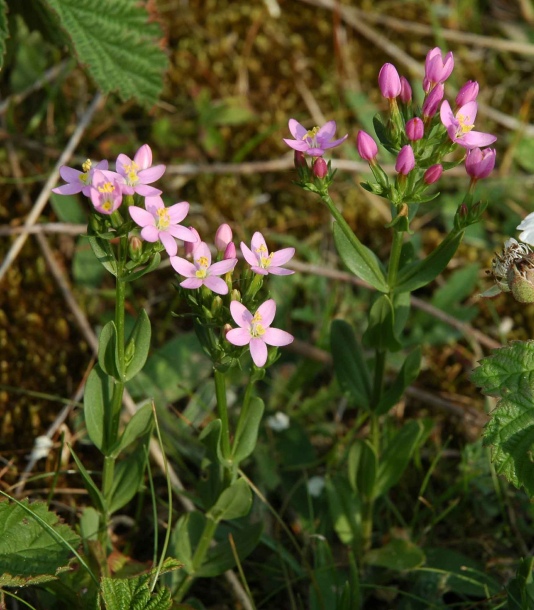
(278, 422)
(527, 228)
(315, 486)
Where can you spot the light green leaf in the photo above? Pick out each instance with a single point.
(92, 489)
(405, 377)
(381, 333)
(349, 363)
(118, 44)
(509, 373)
(138, 425)
(139, 344)
(396, 555)
(107, 350)
(186, 536)
(234, 502)
(29, 552)
(3, 31)
(345, 509)
(96, 402)
(153, 263)
(103, 251)
(359, 259)
(362, 468)
(68, 207)
(127, 479)
(247, 435)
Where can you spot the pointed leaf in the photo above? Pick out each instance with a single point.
(103, 251)
(381, 333)
(127, 479)
(139, 344)
(345, 509)
(138, 425)
(152, 264)
(405, 377)
(234, 502)
(245, 440)
(92, 489)
(96, 404)
(107, 350)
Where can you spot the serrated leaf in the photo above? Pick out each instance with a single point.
(3, 31)
(29, 552)
(118, 44)
(133, 593)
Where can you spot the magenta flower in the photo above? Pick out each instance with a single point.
(106, 191)
(161, 223)
(437, 70)
(389, 81)
(432, 101)
(406, 91)
(315, 141)
(415, 129)
(189, 246)
(459, 126)
(433, 173)
(78, 181)
(405, 160)
(201, 272)
(367, 148)
(261, 261)
(223, 236)
(480, 163)
(255, 330)
(320, 168)
(138, 173)
(468, 93)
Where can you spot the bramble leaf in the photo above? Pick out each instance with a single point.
(117, 43)
(509, 374)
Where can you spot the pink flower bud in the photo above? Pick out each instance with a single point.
(135, 247)
(230, 251)
(432, 101)
(437, 69)
(223, 236)
(406, 91)
(433, 174)
(320, 168)
(468, 93)
(415, 129)
(480, 163)
(299, 159)
(389, 81)
(405, 160)
(189, 246)
(367, 148)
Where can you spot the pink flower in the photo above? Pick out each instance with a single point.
(230, 251)
(78, 181)
(320, 168)
(468, 93)
(189, 246)
(405, 160)
(406, 91)
(315, 141)
(432, 101)
(138, 172)
(106, 191)
(433, 173)
(459, 126)
(389, 81)
(367, 148)
(261, 261)
(480, 163)
(255, 330)
(437, 70)
(201, 271)
(415, 129)
(161, 223)
(223, 236)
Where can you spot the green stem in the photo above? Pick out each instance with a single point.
(394, 258)
(244, 409)
(222, 408)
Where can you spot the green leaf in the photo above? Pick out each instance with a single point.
(103, 251)
(34, 545)
(68, 208)
(398, 452)
(138, 425)
(520, 590)
(359, 260)
(220, 557)
(118, 44)
(349, 363)
(92, 489)
(234, 502)
(186, 536)
(345, 509)
(509, 373)
(96, 403)
(127, 479)
(134, 594)
(3, 31)
(152, 264)
(139, 344)
(107, 350)
(396, 555)
(246, 437)
(405, 377)
(362, 467)
(420, 273)
(381, 332)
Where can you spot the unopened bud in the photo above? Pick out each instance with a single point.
(367, 148)
(405, 160)
(405, 95)
(415, 129)
(299, 158)
(216, 305)
(230, 251)
(223, 236)
(520, 279)
(235, 295)
(433, 100)
(320, 168)
(468, 93)
(135, 247)
(433, 173)
(225, 330)
(389, 81)
(190, 246)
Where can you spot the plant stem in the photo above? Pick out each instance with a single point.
(394, 258)
(244, 409)
(222, 408)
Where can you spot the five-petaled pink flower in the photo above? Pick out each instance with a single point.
(315, 141)
(460, 125)
(106, 191)
(161, 223)
(138, 173)
(259, 259)
(78, 181)
(201, 271)
(255, 330)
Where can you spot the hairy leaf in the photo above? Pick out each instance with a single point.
(29, 551)
(509, 374)
(133, 593)
(118, 45)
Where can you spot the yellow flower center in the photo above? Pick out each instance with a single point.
(86, 166)
(84, 178)
(164, 220)
(464, 126)
(107, 205)
(107, 187)
(201, 273)
(312, 133)
(256, 327)
(265, 261)
(131, 173)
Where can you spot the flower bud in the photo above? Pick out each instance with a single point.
(223, 236)
(520, 279)
(437, 69)
(433, 173)
(190, 246)
(299, 159)
(320, 168)
(135, 247)
(235, 295)
(226, 329)
(432, 101)
(216, 305)
(230, 251)
(405, 160)
(415, 129)
(406, 91)
(468, 93)
(389, 81)
(480, 163)
(367, 148)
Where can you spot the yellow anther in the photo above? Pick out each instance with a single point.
(265, 261)
(203, 261)
(107, 187)
(106, 205)
(201, 273)
(257, 318)
(464, 126)
(312, 132)
(262, 248)
(164, 219)
(86, 166)
(84, 178)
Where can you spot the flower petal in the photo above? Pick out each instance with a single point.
(141, 217)
(248, 255)
(153, 204)
(122, 160)
(202, 251)
(183, 266)
(238, 336)
(282, 256)
(178, 212)
(71, 188)
(241, 315)
(327, 132)
(216, 284)
(258, 243)
(151, 174)
(326, 145)
(168, 242)
(297, 130)
(446, 115)
(267, 311)
(222, 266)
(182, 233)
(280, 271)
(146, 191)
(297, 144)
(151, 234)
(143, 157)
(277, 337)
(69, 174)
(474, 139)
(191, 283)
(258, 351)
